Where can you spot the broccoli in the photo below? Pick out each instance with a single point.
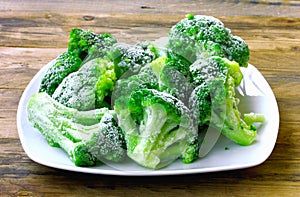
(161, 74)
(89, 45)
(202, 36)
(214, 101)
(130, 82)
(252, 118)
(204, 70)
(131, 58)
(173, 77)
(87, 137)
(178, 63)
(89, 87)
(158, 129)
(61, 67)
(102, 100)
(238, 51)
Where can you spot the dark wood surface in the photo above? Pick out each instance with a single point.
(34, 32)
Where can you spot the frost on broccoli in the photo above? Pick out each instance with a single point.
(179, 63)
(131, 58)
(158, 129)
(202, 36)
(129, 83)
(89, 87)
(87, 137)
(60, 68)
(173, 77)
(214, 101)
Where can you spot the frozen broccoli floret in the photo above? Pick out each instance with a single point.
(179, 63)
(158, 129)
(87, 137)
(60, 68)
(238, 51)
(204, 70)
(214, 101)
(131, 58)
(202, 36)
(172, 79)
(87, 88)
(88, 44)
(126, 85)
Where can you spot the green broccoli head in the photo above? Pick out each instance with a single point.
(130, 82)
(173, 77)
(201, 36)
(179, 63)
(87, 137)
(204, 70)
(158, 129)
(108, 142)
(131, 58)
(200, 103)
(238, 51)
(60, 68)
(88, 87)
(214, 101)
(88, 45)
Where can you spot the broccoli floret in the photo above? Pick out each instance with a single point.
(201, 101)
(131, 58)
(179, 63)
(201, 36)
(204, 70)
(214, 101)
(89, 87)
(238, 51)
(172, 77)
(130, 82)
(61, 67)
(158, 129)
(88, 45)
(191, 153)
(87, 137)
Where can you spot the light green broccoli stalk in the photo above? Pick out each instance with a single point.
(88, 137)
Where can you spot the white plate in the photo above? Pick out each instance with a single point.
(225, 155)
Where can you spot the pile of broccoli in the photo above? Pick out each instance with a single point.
(103, 100)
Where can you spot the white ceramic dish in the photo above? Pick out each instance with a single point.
(225, 155)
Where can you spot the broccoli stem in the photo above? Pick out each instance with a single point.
(85, 144)
(162, 138)
(155, 116)
(244, 135)
(81, 117)
(251, 118)
(56, 138)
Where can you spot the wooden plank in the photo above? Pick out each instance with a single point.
(209, 7)
(51, 31)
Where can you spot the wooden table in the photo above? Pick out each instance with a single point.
(34, 32)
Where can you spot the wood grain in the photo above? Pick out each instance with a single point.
(32, 34)
(284, 8)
